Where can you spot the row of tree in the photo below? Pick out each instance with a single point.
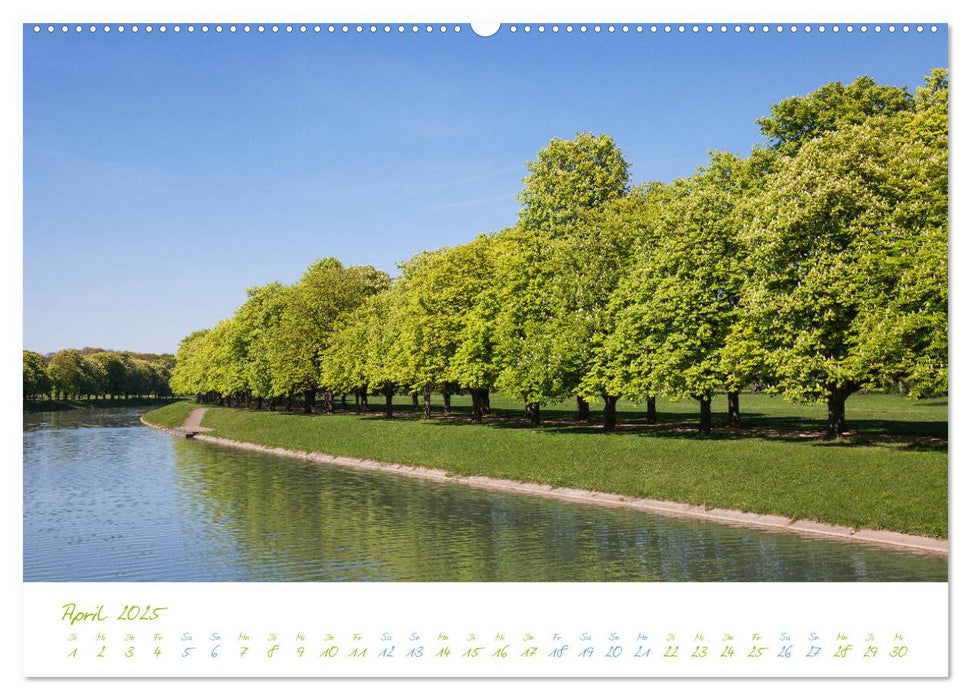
(814, 267)
(96, 373)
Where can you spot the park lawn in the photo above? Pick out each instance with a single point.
(171, 416)
(869, 480)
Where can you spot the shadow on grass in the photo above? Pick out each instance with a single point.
(863, 433)
(912, 436)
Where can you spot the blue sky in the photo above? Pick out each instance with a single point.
(166, 173)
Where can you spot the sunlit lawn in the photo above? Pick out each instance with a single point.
(173, 415)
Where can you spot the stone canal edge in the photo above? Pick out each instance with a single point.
(807, 528)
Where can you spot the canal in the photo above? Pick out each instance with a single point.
(108, 499)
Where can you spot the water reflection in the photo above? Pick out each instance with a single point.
(108, 499)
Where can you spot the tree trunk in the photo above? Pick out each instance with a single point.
(652, 410)
(734, 412)
(532, 412)
(388, 401)
(426, 396)
(836, 409)
(414, 401)
(836, 415)
(357, 401)
(610, 412)
(486, 408)
(447, 400)
(477, 405)
(705, 426)
(583, 409)
(289, 401)
(364, 405)
(344, 402)
(308, 400)
(328, 401)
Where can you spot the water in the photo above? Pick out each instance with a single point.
(107, 499)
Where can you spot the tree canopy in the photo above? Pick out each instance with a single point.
(796, 121)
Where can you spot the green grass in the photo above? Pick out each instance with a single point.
(890, 474)
(44, 405)
(171, 416)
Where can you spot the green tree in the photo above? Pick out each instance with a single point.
(224, 355)
(160, 372)
(798, 120)
(571, 177)
(114, 371)
(636, 220)
(36, 381)
(257, 326)
(904, 336)
(188, 376)
(67, 373)
(592, 259)
(326, 292)
(675, 309)
(476, 362)
(345, 367)
(440, 289)
(95, 379)
(833, 239)
(383, 365)
(568, 181)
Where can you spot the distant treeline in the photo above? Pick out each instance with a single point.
(815, 267)
(96, 373)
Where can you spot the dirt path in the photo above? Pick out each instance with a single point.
(194, 422)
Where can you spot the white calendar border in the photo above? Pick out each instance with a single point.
(507, 10)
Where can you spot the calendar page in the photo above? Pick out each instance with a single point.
(533, 349)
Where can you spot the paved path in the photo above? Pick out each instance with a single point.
(193, 424)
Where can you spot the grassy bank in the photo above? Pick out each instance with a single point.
(891, 473)
(80, 404)
(171, 416)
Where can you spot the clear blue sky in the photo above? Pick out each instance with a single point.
(166, 173)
